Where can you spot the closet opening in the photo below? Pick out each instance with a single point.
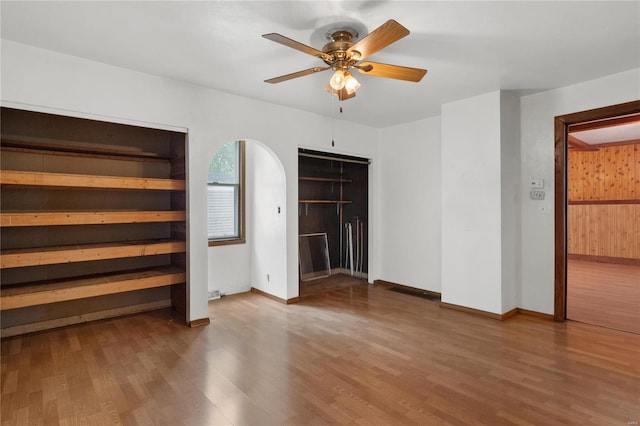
(333, 221)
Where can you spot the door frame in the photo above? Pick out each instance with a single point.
(561, 126)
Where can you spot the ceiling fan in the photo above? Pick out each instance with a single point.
(342, 53)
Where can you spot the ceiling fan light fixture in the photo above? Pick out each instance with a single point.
(331, 90)
(337, 80)
(351, 84)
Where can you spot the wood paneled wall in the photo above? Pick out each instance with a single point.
(611, 173)
(604, 210)
(607, 230)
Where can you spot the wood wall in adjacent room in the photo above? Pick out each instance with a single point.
(604, 202)
(610, 173)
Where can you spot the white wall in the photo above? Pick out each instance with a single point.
(409, 242)
(42, 80)
(471, 203)
(510, 199)
(537, 154)
(229, 268)
(268, 226)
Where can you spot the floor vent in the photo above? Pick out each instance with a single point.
(418, 293)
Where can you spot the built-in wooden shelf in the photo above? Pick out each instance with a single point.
(40, 293)
(13, 219)
(18, 258)
(65, 180)
(62, 176)
(323, 179)
(76, 147)
(324, 202)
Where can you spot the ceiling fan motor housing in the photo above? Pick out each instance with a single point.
(337, 49)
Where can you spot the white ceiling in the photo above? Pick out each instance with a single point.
(611, 135)
(469, 48)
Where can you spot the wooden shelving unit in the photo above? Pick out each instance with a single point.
(93, 219)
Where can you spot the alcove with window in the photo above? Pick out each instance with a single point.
(246, 217)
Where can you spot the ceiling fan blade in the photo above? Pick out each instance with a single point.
(278, 38)
(295, 75)
(391, 71)
(378, 39)
(343, 95)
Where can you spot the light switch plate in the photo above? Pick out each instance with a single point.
(536, 184)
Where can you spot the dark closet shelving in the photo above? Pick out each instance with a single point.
(333, 190)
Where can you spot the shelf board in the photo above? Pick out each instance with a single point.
(65, 180)
(324, 202)
(18, 258)
(322, 179)
(80, 288)
(77, 147)
(14, 219)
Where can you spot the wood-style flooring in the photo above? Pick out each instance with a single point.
(333, 282)
(604, 294)
(357, 355)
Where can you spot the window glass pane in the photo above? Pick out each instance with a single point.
(222, 206)
(225, 167)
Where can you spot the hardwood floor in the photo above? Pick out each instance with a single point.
(604, 294)
(334, 282)
(355, 355)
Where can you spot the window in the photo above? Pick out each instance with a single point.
(225, 195)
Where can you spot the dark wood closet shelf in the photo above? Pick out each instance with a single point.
(67, 180)
(323, 179)
(39, 293)
(323, 202)
(18, 258)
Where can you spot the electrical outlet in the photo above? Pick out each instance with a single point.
(268, 278)
(536, 195)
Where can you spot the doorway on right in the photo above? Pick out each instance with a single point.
(603, 223)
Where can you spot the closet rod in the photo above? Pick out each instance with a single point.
(325, 157)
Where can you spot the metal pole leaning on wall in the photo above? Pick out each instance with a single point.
(350, 246)
(361, 246)
(357, 244)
